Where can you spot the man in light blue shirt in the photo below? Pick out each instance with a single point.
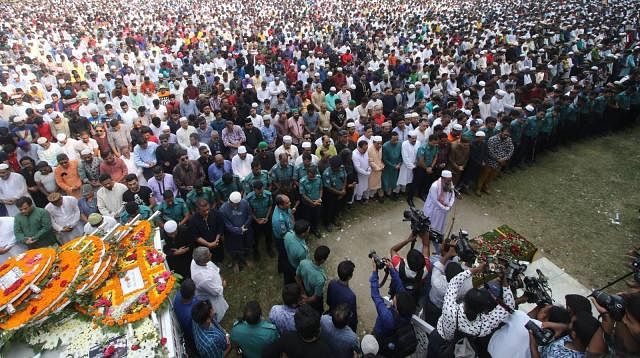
(144, 156)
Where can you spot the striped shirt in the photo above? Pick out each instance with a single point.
(210, 341)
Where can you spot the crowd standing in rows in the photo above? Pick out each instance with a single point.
(269, 120)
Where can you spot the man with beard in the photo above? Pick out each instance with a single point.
(439, 201)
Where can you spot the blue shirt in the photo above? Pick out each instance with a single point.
(386, 321)
(338, 293)
(342, 341)
(210, 341)
(282, 317)
(183, 314)
(281, 222)
(216, 173)
(268, 133)
(143, 156)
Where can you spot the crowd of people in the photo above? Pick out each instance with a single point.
(266, 121)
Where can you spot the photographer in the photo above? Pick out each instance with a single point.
(476, 318)
(414, 270)
(443, 271)
(620, 337)
(581, 330)
(393, 325)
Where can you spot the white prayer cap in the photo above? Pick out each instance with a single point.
(112, 67)
(4, 166)
(466, 93)
(480, 134)
(413, 133)
(594, 68)
(352, 87)
(185, 74)
(529, 108)
(287, 139)
(316, 74)
(249, 85)
(164, 127)
(425, 77)
(183, 119)
(42, 140)
(446, 174)
(306, 145)
(481, 83)
(377, 138)
(332, 89)
(235, 197)
(254, 105)
(102, 95)
(170, 226)
(339, 69)
(501, 93)
(61, 81)
(457, 127)
(329, 73)
(351, 125)
(242, 149)
(412, 86)
(85, 151)
(303, 67)
(246, 75)
(369, 345)
(61, 136)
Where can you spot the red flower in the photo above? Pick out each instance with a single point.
(165, 275)
(135, 347)
(161, 287)
(132, 257)
(109, 351)
(144, 299)
(64, 283)
(163, 341)
(50, 284)
(33, 310)
(3, 267)
(64, 268)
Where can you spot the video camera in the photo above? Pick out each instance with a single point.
(614, 304)
(380, 261)
(543, 336)
(465, 252)
(537, 289)
(421, 224)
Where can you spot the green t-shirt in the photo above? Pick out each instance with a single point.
(260, 204)
(313, 277)
(296, 248)
(253, 338)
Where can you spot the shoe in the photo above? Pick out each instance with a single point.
(381, 199)
(394, 196)
(316, 233)
(327, 227)
(337, 224)
(463, 190)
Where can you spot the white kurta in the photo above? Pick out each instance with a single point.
(67, 214)
(409, 152)
(13, 188)
(361, 165)
(209, 285)
(241, 167)
(435, 210)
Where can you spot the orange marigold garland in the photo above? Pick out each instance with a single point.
(140, 235)
(112, 306)
(53, 292)
(30, 266)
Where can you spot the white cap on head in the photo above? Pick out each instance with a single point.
(242, 149)
(287, 139)
(102, 95)
(351, 125)
(4, 166)
(332, 89)
(377, 138)
(369, 345)
(480, 134)
(306, 145)
(61, 136)
(412, 86)
(170, 226)
(413, 133)
(249, 85)
(185, 74)
(481, 83)
(235, 197)
(183, 119)
(446, 174)
(85, 151)
(254, 105)
(529, 108)
(42, 140)
(457, 127)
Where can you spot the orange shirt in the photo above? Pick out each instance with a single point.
(69, 179)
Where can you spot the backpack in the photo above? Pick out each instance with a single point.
(405, 340)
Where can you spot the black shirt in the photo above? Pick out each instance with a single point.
(178, 263)
(338, 117)
(208, 230)
(141, 197)
(170, 154)
(293, 346)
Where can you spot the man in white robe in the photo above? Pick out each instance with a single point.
(209, 284)
(439, 202)
(409, 151)
(12, 187)
(65, 217)
(360, 159)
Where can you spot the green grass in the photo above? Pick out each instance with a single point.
(563, 205)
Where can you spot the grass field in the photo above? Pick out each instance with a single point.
(563, 204)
